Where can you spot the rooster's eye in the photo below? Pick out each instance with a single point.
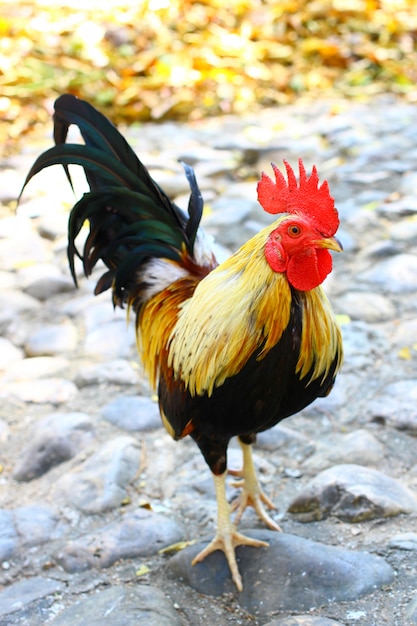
(294, 230)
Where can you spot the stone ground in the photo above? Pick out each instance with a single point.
(92, 488)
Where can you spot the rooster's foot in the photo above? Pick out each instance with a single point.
(252, 494)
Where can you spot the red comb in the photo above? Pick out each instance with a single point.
(305, 198)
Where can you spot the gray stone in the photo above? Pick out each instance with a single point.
(361, 342)
(20, 244)
(395, 275)
(230, 210)
(137, 534)
(56, 438)
(405, 333)
(53, 225)
(295, 444)
(111, 340)
(359, 447)
(36, 524)
(8, 535)
(408, 184)
(293, 573)
(36, 367)
(118, 372)
(54, 391)
(52, 340)
(405, 230)
(121, 606)
(352, 493)
(403, 207)
(134, 413)
(304, 620)
(9, 354)
(13, 303)
(396, 403)
(17, 597)
(99, 484)
(4, 431)
(49, 286)
(411, 611)
(366, 306)
(404, 541)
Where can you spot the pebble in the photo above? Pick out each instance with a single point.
(353, 494)
(82, 441)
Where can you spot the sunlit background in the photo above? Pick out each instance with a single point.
(159, 59)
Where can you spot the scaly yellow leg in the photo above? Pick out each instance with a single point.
(252, 494)
(227, 538)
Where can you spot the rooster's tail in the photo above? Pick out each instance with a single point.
(131, 218)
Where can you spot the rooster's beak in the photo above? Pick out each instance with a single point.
(331, 243)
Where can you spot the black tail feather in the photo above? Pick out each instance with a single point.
(131, 218)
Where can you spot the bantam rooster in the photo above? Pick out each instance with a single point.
(233, 348)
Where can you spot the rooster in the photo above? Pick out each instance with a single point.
(233, 348)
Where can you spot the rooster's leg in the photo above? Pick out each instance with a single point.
(227, 538)
(252, 494)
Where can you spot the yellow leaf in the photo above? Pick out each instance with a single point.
(143, 569)
(176, 547)
(405, 354)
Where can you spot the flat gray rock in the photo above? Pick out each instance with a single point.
(99, 484)
(53, 339)
(404, 541)
(55, 438)
(396, 403)
(121, 606)
(9, 539)
(17, 597)
(36, 367)
(411, 611)
(359, 446)
(54, 391)
(304, 620)
(292, 574)
(368, 306)
(395, 275)
(140, 533)
(117, 372)
(352, 493)
(134, 413)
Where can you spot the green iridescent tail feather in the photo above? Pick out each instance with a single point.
(130, 216)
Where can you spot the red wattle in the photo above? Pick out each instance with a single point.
(308, 270)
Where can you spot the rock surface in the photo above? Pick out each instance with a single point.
(91, 486)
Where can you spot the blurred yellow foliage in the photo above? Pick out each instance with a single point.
(156, 59)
